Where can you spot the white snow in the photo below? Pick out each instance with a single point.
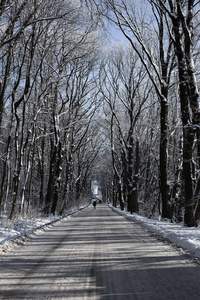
(186, 238)
(15, 232)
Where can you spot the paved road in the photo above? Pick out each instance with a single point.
(97, 255)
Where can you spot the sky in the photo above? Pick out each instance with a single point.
(187, 239)
(117, 36)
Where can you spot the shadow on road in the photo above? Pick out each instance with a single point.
(97, 254)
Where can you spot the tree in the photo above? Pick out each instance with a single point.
(181, 14)
(48, 57)
(123, 90)
(177, 19)
(125, 16)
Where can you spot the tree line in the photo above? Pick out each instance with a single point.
(49, 140)
(156, 153)
(76, 108)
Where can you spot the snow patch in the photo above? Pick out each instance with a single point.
(15, 232)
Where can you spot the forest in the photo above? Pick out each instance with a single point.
(79, 104)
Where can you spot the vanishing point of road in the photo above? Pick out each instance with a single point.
(97, 255)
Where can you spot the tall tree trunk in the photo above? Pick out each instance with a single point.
(163, 157)
(28, 167)
(137, 175)
(132, 181)
(48, 198)
(57, 178)
(42, 171)
(3, 85)
(19, 158)
(188, 131)
(4, 183)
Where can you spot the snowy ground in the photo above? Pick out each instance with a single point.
(15, 232)
(186, 238)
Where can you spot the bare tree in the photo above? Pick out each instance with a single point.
(182, 16)
(48, 57)
(123, 82)
(133, 23)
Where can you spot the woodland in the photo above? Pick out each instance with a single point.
(78, 106)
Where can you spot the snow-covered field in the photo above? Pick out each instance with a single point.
(186, 238)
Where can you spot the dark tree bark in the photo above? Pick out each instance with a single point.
(131, 184)
(189, 106)
(48, 197)
(164, 158)
(59, 158)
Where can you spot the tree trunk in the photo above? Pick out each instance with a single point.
(42, 172)
(137, 174)
(188, 138)
(163, 157)
(3, 85)
(18, 157)
(121, 200)
(132, 185)
(48, 197)
(188, 131)
(57, 178)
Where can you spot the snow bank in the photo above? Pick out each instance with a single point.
(15, 232)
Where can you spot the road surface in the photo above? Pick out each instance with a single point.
(97, 255)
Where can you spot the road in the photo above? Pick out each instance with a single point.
(97, 255)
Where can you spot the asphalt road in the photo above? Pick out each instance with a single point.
(97, 254)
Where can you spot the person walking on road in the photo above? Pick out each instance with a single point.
(94, 203)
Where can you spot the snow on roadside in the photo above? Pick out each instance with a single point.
(188, 238)
(14, 232)
(10, 229)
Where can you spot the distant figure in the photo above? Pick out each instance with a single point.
(94, 204)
